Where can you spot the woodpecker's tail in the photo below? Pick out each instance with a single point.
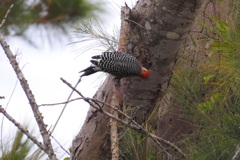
(90, 70)
(96, 57)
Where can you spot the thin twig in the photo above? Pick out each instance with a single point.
(35, 109)
(2, 122)
(237, 152)
(60, 103)
(130, 123)
(134, 125)
(9, 99)
(6, 15)
(64, 107)
(60, 145)
(129, 20)
(22, 129)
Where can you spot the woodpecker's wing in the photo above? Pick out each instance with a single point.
(116, 63)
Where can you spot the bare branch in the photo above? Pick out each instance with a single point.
(64, 107)
(61, 146)
(114, 124)
(130, 123)
(6, 15)
(237, 153)
(37, 114)
(60, 103)
(22, 129)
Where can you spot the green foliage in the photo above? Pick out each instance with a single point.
(212, 104)
(49, 15)
(138, 147)
(71, 9)
(92, 31)
(211, 145)
(19, 149)
(210, 96)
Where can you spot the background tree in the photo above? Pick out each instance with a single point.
(47, 15)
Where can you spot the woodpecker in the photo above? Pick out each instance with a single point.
(117, 64)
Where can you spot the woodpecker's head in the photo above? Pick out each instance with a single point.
(144, 73)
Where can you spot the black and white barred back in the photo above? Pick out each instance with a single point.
(116, 63)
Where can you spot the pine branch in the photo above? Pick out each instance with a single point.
(93, 32)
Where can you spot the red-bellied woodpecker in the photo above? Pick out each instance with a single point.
(117, 64)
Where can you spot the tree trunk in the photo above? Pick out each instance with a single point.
(155, 32)
(172, 121)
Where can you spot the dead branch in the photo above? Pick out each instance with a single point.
(22, 129)
(114, 124)
(60, 145)
(6, 15)
(37, 114)
(130, 123)
(64, 107)
(60, 103)
(115, 101)
(237, 153)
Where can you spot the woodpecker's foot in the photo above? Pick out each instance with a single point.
(116, 81)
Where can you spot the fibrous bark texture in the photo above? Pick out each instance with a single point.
(172, 121)
(155, 31)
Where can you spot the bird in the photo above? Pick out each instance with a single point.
(116, 63)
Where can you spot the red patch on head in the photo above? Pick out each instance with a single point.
(144, 73)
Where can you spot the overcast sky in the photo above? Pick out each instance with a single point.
(43, 68)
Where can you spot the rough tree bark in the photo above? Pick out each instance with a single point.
(171, 120)
(156, 31)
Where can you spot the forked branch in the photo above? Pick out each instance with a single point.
(37, 114)
(129, 123)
